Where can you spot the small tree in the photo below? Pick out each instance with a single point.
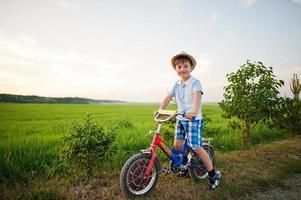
(251, 96)
(86, 145)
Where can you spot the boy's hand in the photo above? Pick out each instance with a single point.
(190, 115)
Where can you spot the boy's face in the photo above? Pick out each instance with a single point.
(183, 69)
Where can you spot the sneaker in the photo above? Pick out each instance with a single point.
(215, 180)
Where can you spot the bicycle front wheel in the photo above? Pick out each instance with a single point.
(132, 178)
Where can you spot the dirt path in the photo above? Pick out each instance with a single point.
(289, 189)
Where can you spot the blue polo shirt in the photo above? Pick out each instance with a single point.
(184, 94)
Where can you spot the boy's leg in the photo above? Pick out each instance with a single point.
(214, 176)
(205, 158)
(179, 135)
(195, 141)
(194, 131)
(179, 140)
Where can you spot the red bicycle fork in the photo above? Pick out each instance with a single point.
(157, 142)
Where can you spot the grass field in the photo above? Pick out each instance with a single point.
(31, 135)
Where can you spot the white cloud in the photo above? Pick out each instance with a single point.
(229, 33)
(20, 68)
(204, 64)
(66, 4)
(215, 16)
(297, 1)
(247, 3)
(26, 40)
(6, 60)
(56, 72)
(25, 49)
(23, 59)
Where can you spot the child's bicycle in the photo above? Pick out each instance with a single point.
(140, 173)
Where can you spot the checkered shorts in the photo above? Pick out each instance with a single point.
(193, 129)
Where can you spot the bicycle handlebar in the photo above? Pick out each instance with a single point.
(169, 113)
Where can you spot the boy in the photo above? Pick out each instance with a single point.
(188, 92)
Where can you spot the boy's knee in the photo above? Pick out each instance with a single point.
(178, 144)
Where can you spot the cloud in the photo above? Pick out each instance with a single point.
(24, 49)
(215, 16)
(66, 4)
(22, 57)
(26, 66)
(297, 1)
(229, 33)
(6, 60)
(247, 3)
(26, 40)
(204, 64)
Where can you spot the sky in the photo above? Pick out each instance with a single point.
(121, 50)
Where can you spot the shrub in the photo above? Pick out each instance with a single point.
(86, 145)
(290, 116)
(263, 133)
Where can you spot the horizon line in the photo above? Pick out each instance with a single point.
(121, 101)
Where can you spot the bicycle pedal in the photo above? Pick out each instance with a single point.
(166, 170)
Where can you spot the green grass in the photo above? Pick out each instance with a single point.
(30, 134)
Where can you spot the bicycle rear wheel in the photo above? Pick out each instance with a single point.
(132, 178)
(200, 173)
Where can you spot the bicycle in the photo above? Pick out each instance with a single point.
(140, 173)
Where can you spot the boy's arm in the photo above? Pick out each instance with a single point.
(196, 105)
(165, 101)
(196, 102)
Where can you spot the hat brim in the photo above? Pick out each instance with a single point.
(193, 61)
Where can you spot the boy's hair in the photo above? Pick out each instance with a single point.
(182, 59)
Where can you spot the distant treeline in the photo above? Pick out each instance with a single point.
(12, 98)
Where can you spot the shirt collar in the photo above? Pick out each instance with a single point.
(186, 82)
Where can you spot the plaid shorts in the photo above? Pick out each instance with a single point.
(193, 129)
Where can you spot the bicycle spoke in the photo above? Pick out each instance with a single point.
(137, 172)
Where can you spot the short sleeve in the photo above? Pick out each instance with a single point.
(172, 92)
(197, 87)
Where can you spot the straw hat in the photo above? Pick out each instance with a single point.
(183, 53)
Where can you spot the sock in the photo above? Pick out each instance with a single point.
(211, 173)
